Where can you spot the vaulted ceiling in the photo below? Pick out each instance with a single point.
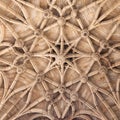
(59, 59)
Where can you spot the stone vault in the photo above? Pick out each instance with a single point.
(59, 59)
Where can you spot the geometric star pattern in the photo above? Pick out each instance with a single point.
(59, 59)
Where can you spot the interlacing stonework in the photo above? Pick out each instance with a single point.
(59, 59)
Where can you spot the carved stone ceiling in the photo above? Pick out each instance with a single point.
(59, 59)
